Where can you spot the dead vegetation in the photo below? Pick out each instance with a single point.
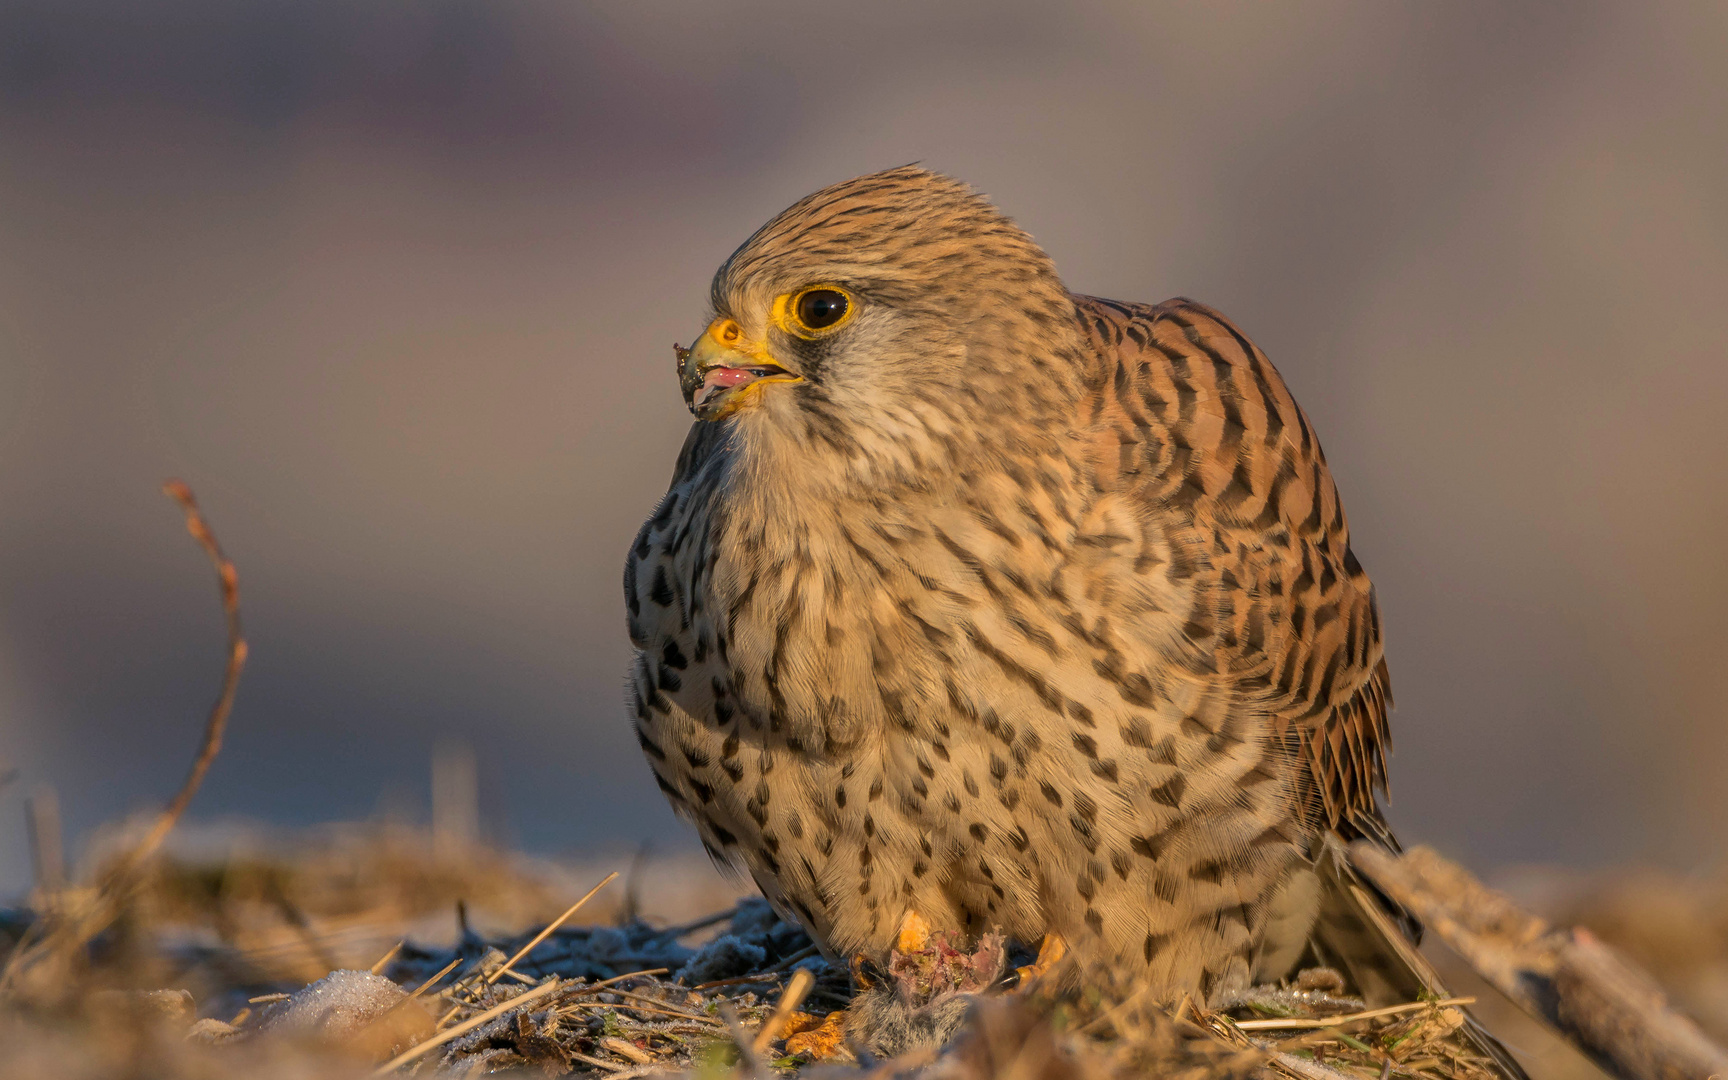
(378, 950)
(1564, 976)
(274, 964)
(730, 991)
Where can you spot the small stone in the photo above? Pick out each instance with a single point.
(352, 1010)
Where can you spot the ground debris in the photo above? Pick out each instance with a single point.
(1420, 1039)
(259, 968)
(632, 999)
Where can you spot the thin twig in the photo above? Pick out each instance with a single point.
(384, 961)
(751, 1060)
(802, 954)
(598, 1063)
(739, 980)
(624, 1048)
(768, 975)
(423, 987)
(520, 1000)
(700, 924)
(790, 999)
(229, 580)
(577, 991)
(634, 1071)
(642, 1009)
(1293, 1023)
(47, 937)
(546, 933)
(656, 1001)
(450, 1013)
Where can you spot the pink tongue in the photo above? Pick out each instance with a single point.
(719, 380)
(727, 376)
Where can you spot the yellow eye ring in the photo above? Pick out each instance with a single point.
(815, 311)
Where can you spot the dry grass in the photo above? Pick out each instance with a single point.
(374, 950)
(643, 984)
(246, 931)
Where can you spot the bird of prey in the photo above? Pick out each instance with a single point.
(984, 604)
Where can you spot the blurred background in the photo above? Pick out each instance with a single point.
(394, 287)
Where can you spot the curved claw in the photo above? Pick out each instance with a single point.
(1050, 953)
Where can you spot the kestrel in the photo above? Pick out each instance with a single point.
(978, 602)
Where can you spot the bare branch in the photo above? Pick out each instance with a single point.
(56, 938)
(229, 581)
(1566, 978)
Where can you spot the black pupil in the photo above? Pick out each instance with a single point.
(820, 308)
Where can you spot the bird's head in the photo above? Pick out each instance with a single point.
(903, 299)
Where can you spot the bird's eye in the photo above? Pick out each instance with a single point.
(819, 309)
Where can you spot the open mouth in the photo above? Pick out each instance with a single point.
(719, 383)
(719, 370)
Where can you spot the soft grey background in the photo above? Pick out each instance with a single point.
(394, 286)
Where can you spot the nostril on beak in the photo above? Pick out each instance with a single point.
(728, 332)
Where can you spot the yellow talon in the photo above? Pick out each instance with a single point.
(820, 1039)
(1050, 953)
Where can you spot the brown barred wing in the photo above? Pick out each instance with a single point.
(1186, 411)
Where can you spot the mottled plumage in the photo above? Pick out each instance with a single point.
(1013, 607)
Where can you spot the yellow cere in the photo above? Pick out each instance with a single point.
(729, 336)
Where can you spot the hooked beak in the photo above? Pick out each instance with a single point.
(718, 373)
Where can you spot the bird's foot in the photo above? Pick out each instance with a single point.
(917, 1000)
(819, 1037)
(826, 1037)
(1051, 952)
